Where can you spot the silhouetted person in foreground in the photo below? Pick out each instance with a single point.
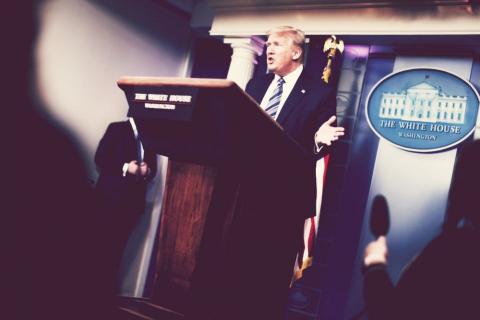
(442, 282)
(57, 250)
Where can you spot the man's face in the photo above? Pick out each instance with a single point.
(282, 54)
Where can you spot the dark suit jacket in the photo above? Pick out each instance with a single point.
(117, 147)
(310, 103)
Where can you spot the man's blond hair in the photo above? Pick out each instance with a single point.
(297, 36)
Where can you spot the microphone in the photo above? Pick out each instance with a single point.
(379, 217)
(379, 225)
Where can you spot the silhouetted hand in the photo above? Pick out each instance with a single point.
(376, 252)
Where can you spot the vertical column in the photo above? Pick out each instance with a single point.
(476, 133)
(244, 58)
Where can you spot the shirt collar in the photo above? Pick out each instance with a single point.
(292, 76)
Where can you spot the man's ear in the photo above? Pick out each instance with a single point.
(296, 54)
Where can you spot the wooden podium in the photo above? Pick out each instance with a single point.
(235, 199)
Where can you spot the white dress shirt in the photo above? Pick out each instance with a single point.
(142, 151)
(290, 80)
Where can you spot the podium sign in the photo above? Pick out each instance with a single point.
(169, 103)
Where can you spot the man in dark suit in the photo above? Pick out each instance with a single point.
(125, 169)
(302, 103)
(306, 106)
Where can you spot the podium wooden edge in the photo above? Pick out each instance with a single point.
(175, 81)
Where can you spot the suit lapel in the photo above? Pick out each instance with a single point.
(297, 94)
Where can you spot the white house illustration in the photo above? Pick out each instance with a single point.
(425, 103)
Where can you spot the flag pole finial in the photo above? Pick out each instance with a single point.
(331, 46)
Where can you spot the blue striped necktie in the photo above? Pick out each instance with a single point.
(274, 101)
(139, 150)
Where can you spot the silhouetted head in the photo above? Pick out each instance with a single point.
(20, 52)
(464, 191)
(380, 217)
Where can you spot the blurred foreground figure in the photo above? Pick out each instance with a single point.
(442, 282)
(57, 251)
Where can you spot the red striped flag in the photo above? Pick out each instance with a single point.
(305, 255)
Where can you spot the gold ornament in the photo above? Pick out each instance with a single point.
(332, 46)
